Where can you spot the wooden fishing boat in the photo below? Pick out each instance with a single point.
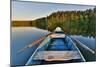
(56, 48)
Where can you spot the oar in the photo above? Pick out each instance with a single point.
(84, 46)
(32, 44)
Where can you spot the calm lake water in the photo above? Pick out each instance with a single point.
(22, 36)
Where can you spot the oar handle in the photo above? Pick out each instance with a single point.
(31, 45)
(23, 49)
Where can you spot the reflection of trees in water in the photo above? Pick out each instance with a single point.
(72, 22)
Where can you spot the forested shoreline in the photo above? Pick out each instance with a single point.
(72, 22)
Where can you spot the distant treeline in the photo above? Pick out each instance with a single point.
(72, 22)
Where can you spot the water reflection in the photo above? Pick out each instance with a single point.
(22, 36)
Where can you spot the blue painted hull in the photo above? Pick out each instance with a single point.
(55, 44)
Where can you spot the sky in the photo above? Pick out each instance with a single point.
(33, 10)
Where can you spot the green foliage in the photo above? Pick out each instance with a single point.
(72, 22)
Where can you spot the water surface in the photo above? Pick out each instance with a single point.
(23, 36)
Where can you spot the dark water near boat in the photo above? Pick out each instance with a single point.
(90, 42)
(22, 36)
